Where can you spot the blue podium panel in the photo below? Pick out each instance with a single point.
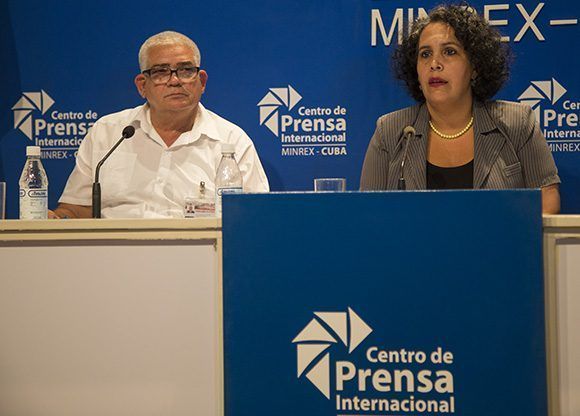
(401, 303)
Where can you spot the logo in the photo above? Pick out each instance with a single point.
(556, 114)
(303, 130)
(381, 380)
(542, 90)
(30, 101)
(58, 133)
(276, 97)
(314, 339)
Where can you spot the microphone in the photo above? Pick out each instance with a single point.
(128, 132)
(409, 132)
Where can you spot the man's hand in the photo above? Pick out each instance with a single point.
(70, 211)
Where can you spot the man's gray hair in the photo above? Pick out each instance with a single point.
(164, 39)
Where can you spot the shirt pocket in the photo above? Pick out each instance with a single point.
(513, 169)
(513, 175)
(117, 176)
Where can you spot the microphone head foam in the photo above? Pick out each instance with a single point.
(128, 132)
(409, 130)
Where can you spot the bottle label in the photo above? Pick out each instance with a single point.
(224, 191)
(233, 190)
(33, 204)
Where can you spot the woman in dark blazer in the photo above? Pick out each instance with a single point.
(453, 63)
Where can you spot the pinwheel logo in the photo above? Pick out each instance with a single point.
(325, 329)
(29, 102)
(539, 91)
(286, 97)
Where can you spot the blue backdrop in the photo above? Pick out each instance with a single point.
(270, 64)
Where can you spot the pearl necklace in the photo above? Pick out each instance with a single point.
(451, 136)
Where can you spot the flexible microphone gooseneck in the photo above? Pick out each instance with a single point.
(408, 132)
(128, 132)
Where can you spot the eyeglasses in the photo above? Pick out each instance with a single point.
(162, 74)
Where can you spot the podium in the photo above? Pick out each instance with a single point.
(398, 303)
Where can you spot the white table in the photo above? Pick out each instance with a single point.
(110, 317)
(562, 272)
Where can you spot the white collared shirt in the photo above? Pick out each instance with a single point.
(144, 178)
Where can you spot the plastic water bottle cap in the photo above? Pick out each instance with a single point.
(32, 150)
(228, 148)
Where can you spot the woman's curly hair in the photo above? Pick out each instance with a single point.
(488, 56)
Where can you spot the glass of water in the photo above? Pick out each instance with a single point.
(329, 185)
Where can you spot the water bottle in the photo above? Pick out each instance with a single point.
(33, 187)
(228, 179)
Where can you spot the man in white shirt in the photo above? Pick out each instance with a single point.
(177, 142)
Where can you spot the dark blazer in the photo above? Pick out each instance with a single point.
(509, 149)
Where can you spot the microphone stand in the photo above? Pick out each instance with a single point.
(408, 132)
(127, 133)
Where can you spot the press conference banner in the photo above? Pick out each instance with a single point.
(305, 79)
(330, 313)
